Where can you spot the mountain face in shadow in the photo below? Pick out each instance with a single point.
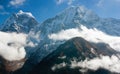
(59, 61)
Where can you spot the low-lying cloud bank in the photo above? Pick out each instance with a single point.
(105, 62)
(92, 35)
(109, 63)
(12, 46)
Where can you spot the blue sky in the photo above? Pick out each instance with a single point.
(43, 9)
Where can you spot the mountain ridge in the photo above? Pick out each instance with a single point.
(19, 22)
(70, 18)
(76, 48)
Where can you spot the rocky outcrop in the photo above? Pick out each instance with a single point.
(10, 66)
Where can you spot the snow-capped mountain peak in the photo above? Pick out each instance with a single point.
(29, 14)
(74, 10)
(20, 12)
(19, 22)
(77, 13)
(55, 31)
(69, 19)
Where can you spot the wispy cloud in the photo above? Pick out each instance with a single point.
(102, 3)
(2, 11)
(108, 8)
(16, 3)
(1, 7)
(117, 0)
(59, 1)
(69, 2)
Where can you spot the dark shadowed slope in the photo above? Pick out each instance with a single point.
(59, 61)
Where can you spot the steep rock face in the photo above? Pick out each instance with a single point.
(69, 18)
(19, 22)
(75, 16)
(77, 48)
(10, 66)
(23, 22)
(72, 17)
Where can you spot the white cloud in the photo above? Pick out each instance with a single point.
(92, 35)
(106, 62)
(1, 7)
(110, 63)
(4, 13)
(69, 2)
(16, 2)
(12, 46)
(100, 3)
(109, 3)
(60, 1)
(117, 0)
(59, 66)
(108, 8)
